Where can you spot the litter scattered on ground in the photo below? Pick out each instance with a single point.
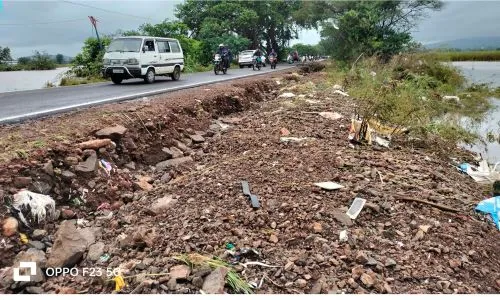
(482, 174)
(119, 283)
(253, 198)
(328, 185)
(256, 263)
(356, 207)
(23, 238)
(38, 207)
(312, 101)
(106, 166)
(454, 98)
(382, 142)
(104, 258)
(343, 236)
(491, 206)
(330, 115)
(287, 95)
(341, 93)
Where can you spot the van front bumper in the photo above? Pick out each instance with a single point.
(126, 72)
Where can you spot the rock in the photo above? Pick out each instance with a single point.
(316, 288)
(389, 262)
(342, 218)
(22, 182)
(130, 165)
(367, 280)
(166, 177)
(372, 206)
(143, 183)
(273, 238)
(419, 235)
(197, 282)
(371, 261)
(67, 175)
(357, 271)
(69, 245)
(172, 284)
(88, 167)
(163, 204)
(175, 162)
(284, 132)
(67, 213)
(181, 146)
(214, 283)
(317, 228)
(387, 288)
(38, 234)
(361, 257)
(180, 272)
(114, 133)
(10, 226)
(176, 152)
(455, 263)
(273, 225)
(424, 228)
(301, 283)
(95, 251)
(34, 290)
(37, 245)
(48, 168)
(71, 160)
(197, 139)
(94, 144)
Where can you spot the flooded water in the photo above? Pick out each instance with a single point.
(485, 72)
(29, 80)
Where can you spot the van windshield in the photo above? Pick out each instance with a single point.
(125, 45)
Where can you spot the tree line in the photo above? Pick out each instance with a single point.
(349, 29)
(38, 61)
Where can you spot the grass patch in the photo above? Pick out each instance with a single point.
(478, 55)
(236, 283)
(410, 92)
(68, 81)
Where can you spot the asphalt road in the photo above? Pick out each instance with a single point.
(24, 105)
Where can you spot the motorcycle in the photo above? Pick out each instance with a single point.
(273, 60)
(257, 63)
(219, 65)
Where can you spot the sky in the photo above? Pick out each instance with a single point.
(62, 26)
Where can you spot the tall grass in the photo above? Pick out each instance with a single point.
(478, 55)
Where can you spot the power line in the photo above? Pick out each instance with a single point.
(106, 10)
(42, 23)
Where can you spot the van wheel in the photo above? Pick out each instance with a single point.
(241, 66)
(116, 79)
(177, 74)
(150, 76)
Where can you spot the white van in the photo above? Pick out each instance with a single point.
(143, 57)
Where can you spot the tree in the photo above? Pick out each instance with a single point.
(352, 28)
(23, 60)
(89, 61)
(42, 61)
(60, 58)
(5, 54)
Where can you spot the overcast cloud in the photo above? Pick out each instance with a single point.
(20, 27)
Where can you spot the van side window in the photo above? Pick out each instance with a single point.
(175, 47)
(163, 47)
(150, 45)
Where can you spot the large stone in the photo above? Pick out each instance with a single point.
(214, 283)
(197, 139)
(31, 255)
(114, 133)
(181, 146)
(163, 204)
(367, 280)
(95, 251)
(48, 168)
(171, 163)
(89, 166)
(67, 175)
(95, 144)
(180, 272)
(176, 152)
(69, 245)
(39, 234)
(342, 218)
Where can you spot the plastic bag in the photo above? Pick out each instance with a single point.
(491, 206)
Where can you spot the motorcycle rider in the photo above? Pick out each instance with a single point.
(224, 53)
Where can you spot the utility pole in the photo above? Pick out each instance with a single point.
(94, 24)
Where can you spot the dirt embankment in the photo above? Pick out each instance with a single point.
(175, 187)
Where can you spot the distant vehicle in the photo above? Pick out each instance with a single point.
(273, 60)
(245, 58)
(219, 65)
(143, 57)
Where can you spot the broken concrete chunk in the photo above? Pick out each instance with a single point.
(114, 133)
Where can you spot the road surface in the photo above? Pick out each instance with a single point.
(24, 105)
